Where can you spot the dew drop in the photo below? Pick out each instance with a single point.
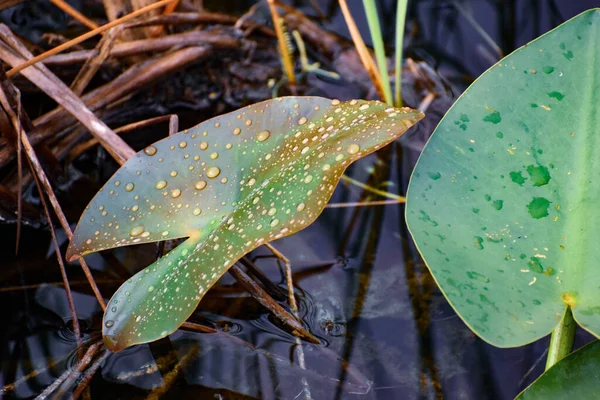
(175, 193)
(200, 185)
(129, 187)
(237, 131)
(137, 230)
(263, 135)
(272, 211)
(302, 121)
(135, 208)
(326, 167)
(214, 155)
(213, 172)
(203, 146)
(197, 211)
(363, 107)
(150, 150)
(308, 179)
(275, 222)
(161, 185)
(353, 148)
(173, 174)
(301, 207)
(113, 309)
(109, 323)
(150, 288)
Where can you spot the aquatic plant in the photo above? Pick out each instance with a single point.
(228, 185)
(503, 201)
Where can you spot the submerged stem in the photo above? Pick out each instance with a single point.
(561, 341)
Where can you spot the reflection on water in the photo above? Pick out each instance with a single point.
(386, 331)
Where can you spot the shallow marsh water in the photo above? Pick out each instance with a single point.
(386, 330)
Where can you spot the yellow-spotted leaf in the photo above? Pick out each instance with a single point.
(229, 185)
(503, 203)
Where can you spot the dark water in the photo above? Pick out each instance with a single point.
(386, 330)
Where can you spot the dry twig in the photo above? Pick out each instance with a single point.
(94, 61)
(34, 60)
(191, 38)
(55, 88)
(263, 298)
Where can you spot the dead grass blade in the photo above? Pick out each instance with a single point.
(364, 203)
(66, 7)
(135, 47)
(263, 298)
(158, 30)
(43, 78)
(34, 60)
(132, 80)
(55, 388)
(80, 148)
(363, 51)
(89, 374)
(188, 18)
(41, 175)
(14, 117)
(94, 61)
(284, 51)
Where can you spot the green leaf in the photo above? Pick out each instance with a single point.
(229, 185)
(503, 203)
(576, 376)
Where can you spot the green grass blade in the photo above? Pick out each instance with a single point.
(400, 22)
(375, 29)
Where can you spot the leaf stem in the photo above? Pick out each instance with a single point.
(561, 341)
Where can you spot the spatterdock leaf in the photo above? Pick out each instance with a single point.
(503, 203)
(229, 185)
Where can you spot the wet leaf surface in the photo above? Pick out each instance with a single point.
(229, 185)
(503, 201)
